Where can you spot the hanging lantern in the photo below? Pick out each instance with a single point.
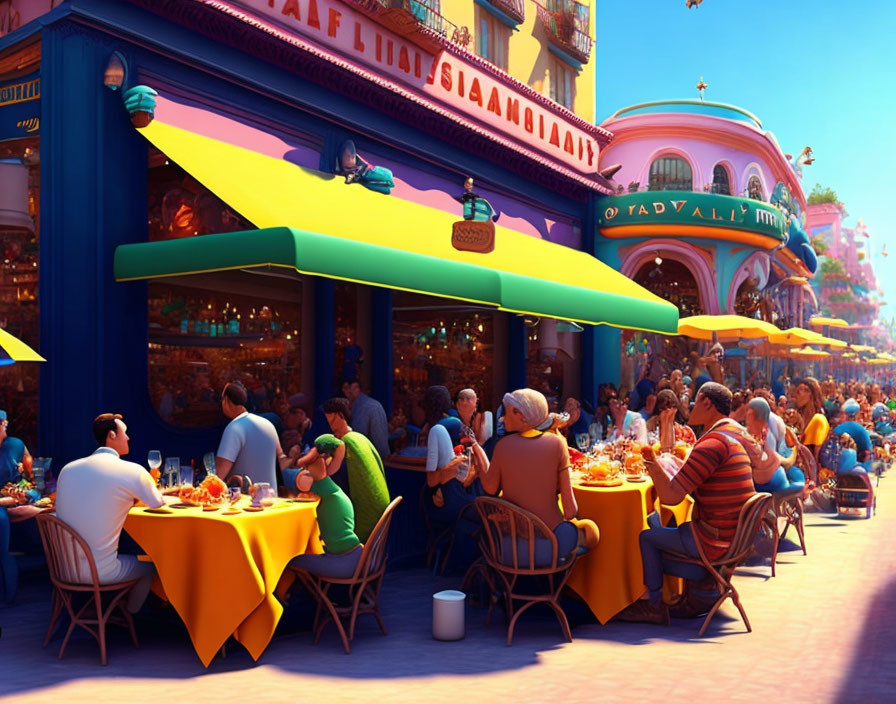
(14, 196)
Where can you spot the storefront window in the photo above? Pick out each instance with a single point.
(208, 329)
(180, 206)
(435, 342)
(672, 281)
(670, 173)
(345, 307)
(19, 275)
(552, 365)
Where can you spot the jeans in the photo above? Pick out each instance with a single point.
(656, 540)
(329, 564)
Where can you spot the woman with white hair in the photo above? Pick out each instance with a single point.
(531, 467)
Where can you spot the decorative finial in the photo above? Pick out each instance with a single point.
(701, 86)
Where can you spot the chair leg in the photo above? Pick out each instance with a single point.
(712, 612)
(743, 614)
(54, 619)
(129, 619)
(514, 618)
(564, 622)
(101, 628)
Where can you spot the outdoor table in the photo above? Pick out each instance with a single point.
(610, 577)
(219, 571)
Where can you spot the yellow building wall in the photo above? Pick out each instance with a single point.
(528, 58)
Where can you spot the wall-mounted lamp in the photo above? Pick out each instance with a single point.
(569, 326)
(116, 72)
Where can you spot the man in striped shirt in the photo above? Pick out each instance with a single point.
(719, 475)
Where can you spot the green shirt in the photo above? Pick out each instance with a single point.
(335, 517)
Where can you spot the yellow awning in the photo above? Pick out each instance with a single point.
(829, 342)
(725, 327)
(12, 349)
(821, 321)
(864, 348)
(795, 336)
(275, 193)
(808, 353)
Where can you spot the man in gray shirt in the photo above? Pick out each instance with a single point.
(249, 445)
(368, 416)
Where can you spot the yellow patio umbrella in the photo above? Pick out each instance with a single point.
(887, 356)
(795, 336)
(848, 355)
(864, 348)
(725, 327)
(830, 342)
(808, 353)
(821, 321)
(878, 360)
(12, 350)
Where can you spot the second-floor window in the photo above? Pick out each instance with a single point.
(720, 182)
(670, 173)
(562, 84)
(754, 188)
(492, 38)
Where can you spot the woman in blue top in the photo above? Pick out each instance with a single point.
(760, 425)
(12, 452)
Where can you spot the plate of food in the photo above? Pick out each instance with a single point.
(160, 510)
(607, 482)
(182, 505)
(254, 509)
(635, 478)
(231, 512)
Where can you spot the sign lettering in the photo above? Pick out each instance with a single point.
(20, 107)
(445, 78)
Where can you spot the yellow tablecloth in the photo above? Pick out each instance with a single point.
(610, 577)
(219, 572)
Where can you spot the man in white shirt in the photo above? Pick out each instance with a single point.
(94, 495)
(249, 446)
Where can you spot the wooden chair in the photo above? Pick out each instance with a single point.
(786, 506)
(363, 586)
(435, 542)
(752, 515)
(510, 539)
(67, 554)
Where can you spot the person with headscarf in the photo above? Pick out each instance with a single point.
(855, 430)
(531, 467)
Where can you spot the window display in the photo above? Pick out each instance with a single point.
(208, 329)
(435, 342)
(19, 277)
(552, 361)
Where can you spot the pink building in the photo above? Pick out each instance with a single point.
(707, 212)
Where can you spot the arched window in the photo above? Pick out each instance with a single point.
(720, 180)
(754, 188)
(670, 173)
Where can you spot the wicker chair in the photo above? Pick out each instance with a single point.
(752, 515)
(363, 586)
(518, 546)
(67, 553)
(786, 506)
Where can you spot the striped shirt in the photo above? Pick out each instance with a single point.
(719, 475)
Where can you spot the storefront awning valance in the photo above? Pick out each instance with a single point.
(363, 262)
(315, 223)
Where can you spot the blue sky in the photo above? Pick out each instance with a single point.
(816, 72)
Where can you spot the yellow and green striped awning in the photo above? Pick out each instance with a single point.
(312, 222)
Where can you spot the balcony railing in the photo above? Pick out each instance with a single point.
(406, 17)
(514, 9)
(566, 23)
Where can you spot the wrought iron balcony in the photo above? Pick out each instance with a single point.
(514, 9)
(566, 23)
(406, 18)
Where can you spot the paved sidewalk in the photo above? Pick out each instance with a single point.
(823, 631)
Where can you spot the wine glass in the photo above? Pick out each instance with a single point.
(154, 460)
(186, 475)
(583, 441)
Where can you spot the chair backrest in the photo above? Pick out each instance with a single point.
(512, 536)
(68, 556)
(751, 514)
(373, 554)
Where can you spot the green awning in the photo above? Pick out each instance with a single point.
(378, 265)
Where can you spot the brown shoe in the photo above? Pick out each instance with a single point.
(642, 611)
(691, 607)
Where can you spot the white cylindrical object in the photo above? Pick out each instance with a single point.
(14, 196)
(448, 615)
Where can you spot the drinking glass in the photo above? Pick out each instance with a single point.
(154, 460)
(186, 475)
(583, 441)
(208, 460)
(235, 495)
(172, 472)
